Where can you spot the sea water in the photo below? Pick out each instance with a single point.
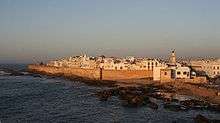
(39, 99)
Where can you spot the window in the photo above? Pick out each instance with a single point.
(214, 72)
(121, 68)
(178, 73)
(184, 73)
(144, 66)
(165, 73)
(214, 67)
(148, 67)
(218, 67)
(156, 64)
(115, 68)
(187, 74)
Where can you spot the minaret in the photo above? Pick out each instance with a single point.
(173, 57)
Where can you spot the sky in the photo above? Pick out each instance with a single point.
(39, 30)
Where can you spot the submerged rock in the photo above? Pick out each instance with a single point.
(174, 107)
(213, 107)
(152, 105)
(36, 75)
(16, 73)
(201, 119)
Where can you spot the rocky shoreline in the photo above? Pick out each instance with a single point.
(168, 90)
(146, 96)
(143, 96)
(175, 96)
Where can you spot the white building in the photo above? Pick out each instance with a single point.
(178, 71)
(182, 73)
(210, 67)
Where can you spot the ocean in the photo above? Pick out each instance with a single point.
(26, 97)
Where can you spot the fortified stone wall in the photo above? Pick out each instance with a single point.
(94, 73)
(126, 74)
(87, 73)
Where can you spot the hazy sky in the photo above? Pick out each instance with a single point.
(45, 29)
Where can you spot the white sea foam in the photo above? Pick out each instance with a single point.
(2, 73)
(183, 97)
(25, 73)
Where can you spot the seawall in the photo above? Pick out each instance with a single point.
(95, 74)
(64, 71)
(126, 74)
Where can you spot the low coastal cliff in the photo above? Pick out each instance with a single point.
(95, 74)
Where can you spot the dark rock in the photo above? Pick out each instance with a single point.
(104, 95)
(36, 75)
(16, 73)
(156, 96)
(130, 97)
(175, 100)
(152, 105)
(131, 100)
(167, 99)
(174, 107)
(136, 101)
(201, 119)
(194, 104)
(214, 108)
(215, 121)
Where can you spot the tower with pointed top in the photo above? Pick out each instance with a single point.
(173, 58)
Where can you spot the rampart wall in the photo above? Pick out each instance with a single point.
(96, 74)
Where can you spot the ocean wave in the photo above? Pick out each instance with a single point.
(25, 73)
(2, 73)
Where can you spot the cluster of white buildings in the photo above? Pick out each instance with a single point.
(210, 66)
(161, 70)
(109, 63)
(75, 62)
(130, 63)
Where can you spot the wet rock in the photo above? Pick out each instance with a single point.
(152, 105)
(104, 95)
(129, 96)
(213, 107)
(215, 121)
(36, 75)
(156, 96)
(136, 101)
(201, 119)
(194, 104)
(16, 73)
(132, 97)
(174, 100)
(174, 107)
(131, 100)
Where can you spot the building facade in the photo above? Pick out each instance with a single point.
(210, 67)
